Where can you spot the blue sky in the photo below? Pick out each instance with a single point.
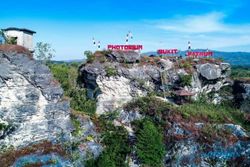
(70, 25)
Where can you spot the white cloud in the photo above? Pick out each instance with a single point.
(207, 23)
(205, 31)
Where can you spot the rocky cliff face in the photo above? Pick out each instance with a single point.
(115, 80)
(31, 104)
(242, 94)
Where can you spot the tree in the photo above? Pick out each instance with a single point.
(89, 55)
(150, 147)
(44, 52)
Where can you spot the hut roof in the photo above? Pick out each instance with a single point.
(183, 92)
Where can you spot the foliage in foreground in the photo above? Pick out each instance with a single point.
(67, 75)
(185, 80)
(150, 147)
(116, 144)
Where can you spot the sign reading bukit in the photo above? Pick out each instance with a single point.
(167, 51)
(125, 47)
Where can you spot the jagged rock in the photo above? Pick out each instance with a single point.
(127, 57)
(30, 102)
(188, 151)
(209, 71)
(112, 92)
(116, 91)
(88, 140)
(242, 95)
(138, 80)
(166, 64)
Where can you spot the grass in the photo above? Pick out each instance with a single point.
(199, 111)
(214, 113)
(77, 125)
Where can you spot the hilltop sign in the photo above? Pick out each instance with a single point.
(199, 54)
(125, 47)
(167, 51)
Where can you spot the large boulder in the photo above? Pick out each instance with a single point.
(127, 57)
(31, 104)
(209, 71)
(242, 95)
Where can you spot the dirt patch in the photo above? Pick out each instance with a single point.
(16, 49)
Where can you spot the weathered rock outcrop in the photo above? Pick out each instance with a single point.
(138, 79)
(242, 95)
(31, 104)
(127, 57)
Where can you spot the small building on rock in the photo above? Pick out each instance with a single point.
(20, 36)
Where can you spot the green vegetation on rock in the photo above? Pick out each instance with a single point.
(67, 75)
(223, 113)
(110, 71)
(185, 80)
(115, 140)
(90, 56)
(150, 148)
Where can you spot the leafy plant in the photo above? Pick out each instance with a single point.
(185, 80)
(44, 52)
(90, 56)
(117, 147)
(148, 105)
(110, 71)
(150, 148)
(67, 75)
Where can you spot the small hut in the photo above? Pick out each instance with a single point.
(182, 96)
(21, 36)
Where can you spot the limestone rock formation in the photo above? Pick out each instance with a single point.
(132, 80)
(31, 104)
(128, 56)
(242, 94)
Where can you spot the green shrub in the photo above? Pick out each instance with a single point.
(116, 144)
(110, 71)
(67, 75)
(223, 113)
(90, 56)
(149, 105)
(80, 102)
(185, 80)
(3, 126)
(150, 148)
(77, 125)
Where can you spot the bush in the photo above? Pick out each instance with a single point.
(80, 102)
(117, 146)
(149, 105)
(110, 71)
(150, 148)
(90, 56)
(67, 75)
(185, 80)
